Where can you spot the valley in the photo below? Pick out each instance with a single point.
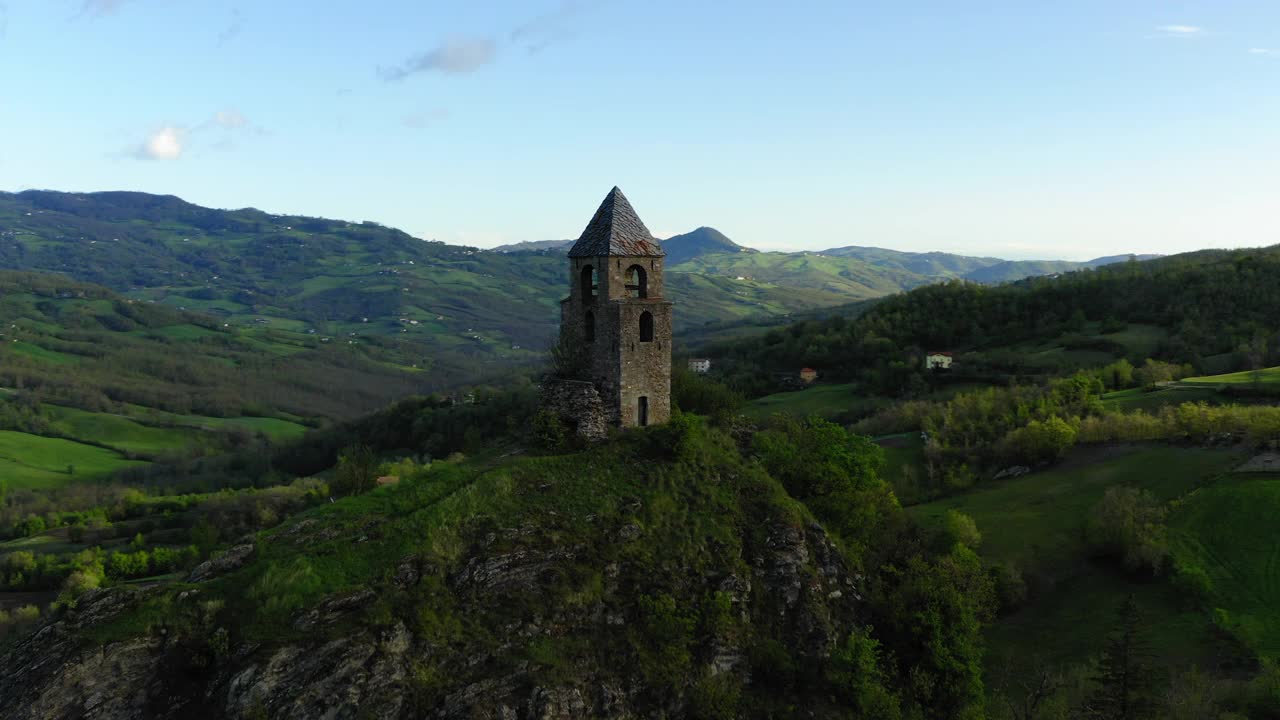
(220, 425)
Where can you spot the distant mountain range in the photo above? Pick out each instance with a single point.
(897, 264)
(451, 312)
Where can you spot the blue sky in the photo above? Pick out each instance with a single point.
(1007, 127)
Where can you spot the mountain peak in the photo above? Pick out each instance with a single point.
(702, 241)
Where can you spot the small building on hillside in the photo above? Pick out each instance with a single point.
(699, 365)
(808, 375)
(938, 361)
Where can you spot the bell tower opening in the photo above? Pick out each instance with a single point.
(637, 282)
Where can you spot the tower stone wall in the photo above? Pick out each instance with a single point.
(616, 321)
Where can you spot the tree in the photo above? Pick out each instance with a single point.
(1040, 441)
(962, 529)
(1128, 523)
(932, 614)
(357, 470)
(857, 674)
(1125, 678)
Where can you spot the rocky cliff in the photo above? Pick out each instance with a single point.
(643, 581)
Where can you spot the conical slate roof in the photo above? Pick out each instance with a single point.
(616, 230)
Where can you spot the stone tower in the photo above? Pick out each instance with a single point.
(615, 320)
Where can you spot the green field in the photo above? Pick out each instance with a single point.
(819, 399)
(1035, 523)
(1267, 376)
(31, 461)
(1152, 400)
(35, 351)
(1139, 340)
(274, 428)
(117, 431)
(1229, 529)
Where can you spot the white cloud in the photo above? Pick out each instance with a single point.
(1264, 51)
(454, 56)
(230, 119)
(163, 144)
(1180, 30)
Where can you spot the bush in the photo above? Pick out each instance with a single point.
(357, 470)
(1193, 584)
(694, 393)
(1041, 441)
(549, 433)
(665, 633)
(771, 664)
(856, 673)
(1129, 524)
(715, 697)
(961, 528)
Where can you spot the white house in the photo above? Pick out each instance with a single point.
(938, 361)
(699, 365)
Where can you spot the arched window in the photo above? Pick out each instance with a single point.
(588, 283)
(637, 282)
(589, 326)
(646, 326)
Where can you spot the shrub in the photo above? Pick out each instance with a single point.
(665, 634)
(961, 528)
(856, 673)
(549, 432)
(1040, 441)
(715, 697)
(1193, 584)
(771, 664)
(356, 471)
(1129, 524)
(286, 587)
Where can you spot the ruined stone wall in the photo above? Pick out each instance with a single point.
(577, 403)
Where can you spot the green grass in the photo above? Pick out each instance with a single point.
(1069, 625)
(1042, 512)
(1035, 522)
(274, 428)
(819, 399)
(119, 432)
(1268, 376)
(44, 354)
(31, 461)
(1152, 401)
(1229, 530)
(1139, 340)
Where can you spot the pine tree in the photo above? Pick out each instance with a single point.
(1125, 678)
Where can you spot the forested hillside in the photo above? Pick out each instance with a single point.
(1215, 310)
(459, 308)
